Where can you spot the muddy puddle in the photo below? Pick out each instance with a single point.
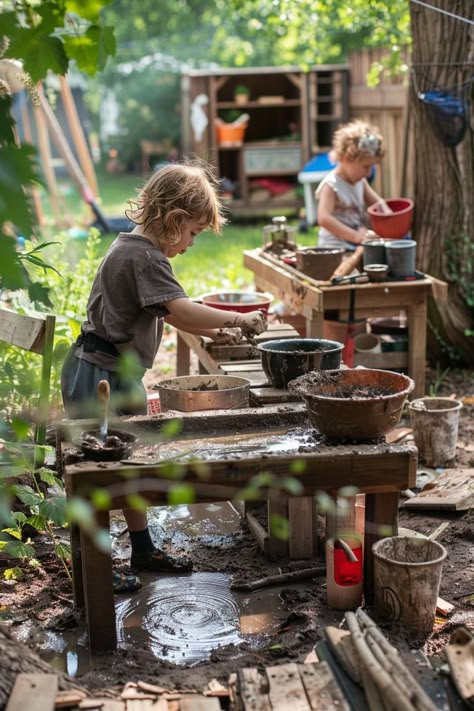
(181, 619)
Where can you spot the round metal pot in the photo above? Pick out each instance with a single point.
(287, 358)
(188, 393)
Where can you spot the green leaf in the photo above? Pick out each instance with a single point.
(39, 293)
(19, 517)
(49, 477)
(13, 275)
(80, 511)
(63, 551)
(279, 527)
(43, 53)
(13, 573)
(52, 16)
(292, 486)
(20, 427)
(27, 495)
(137, 502)
(298, 466)
(88, 9)
(171, 429)
(17, 549)
(37, 521)
(101, 499)
(181, 494)
(54, 509)
(92, 49)
(14, 532)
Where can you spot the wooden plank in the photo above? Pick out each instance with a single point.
(250, 688)
(321, 687)
(98, 591)
(25, 332)
(286, 690)
(277, 547)
(385, 361)
(33, 692)
(199, 703)
(261, 535)
(241, 366)
(300, 516)
(452, 490)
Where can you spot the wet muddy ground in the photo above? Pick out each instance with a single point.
(181, 631)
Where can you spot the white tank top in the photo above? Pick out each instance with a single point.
(349, 209)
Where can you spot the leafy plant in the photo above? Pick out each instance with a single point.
(241, 89)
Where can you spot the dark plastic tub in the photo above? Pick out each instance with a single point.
(287, 358)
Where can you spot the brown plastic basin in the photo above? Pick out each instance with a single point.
(356, 404)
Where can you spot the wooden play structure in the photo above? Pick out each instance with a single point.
(36, 335)
(292, 116)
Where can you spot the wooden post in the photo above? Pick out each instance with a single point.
(25, 119)
(77, 134)
(45, 154)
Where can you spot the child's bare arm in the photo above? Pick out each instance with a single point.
(326, 219)
(370, 196)
(196, 318)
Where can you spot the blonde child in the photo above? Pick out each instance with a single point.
(344, 195)
(133, 293)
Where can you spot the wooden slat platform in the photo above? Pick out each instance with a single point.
(302, 687)
(242, 360)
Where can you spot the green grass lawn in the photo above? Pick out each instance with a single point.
(215, 262)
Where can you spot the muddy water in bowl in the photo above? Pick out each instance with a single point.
(189, 393)
(287, 358)
(355, 404)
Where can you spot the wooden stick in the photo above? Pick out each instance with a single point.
(77, 134)
(390, 659)
(393, 694)
(279, 579)
(350, 263)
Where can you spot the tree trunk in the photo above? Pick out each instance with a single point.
(17, 658)
(443, 58)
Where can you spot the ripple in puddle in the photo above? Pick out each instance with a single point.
(182, 619)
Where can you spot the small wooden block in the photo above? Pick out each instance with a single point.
(443, 607)
(33, 692)
(64, 699)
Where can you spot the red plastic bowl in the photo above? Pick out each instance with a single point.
(393, 226)
(240, 301)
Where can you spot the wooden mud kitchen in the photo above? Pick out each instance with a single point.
(219, 453)
(304, 295)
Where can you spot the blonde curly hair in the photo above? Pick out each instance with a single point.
(175, 194)
(356, 140)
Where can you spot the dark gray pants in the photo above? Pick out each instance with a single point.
(79, 380)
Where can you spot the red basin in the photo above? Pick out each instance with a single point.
(393, 226)
(240, 301)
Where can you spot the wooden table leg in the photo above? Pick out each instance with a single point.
(417, 345)
(381, 520)
(277, 548)
(314, 325)
(183, 356)
(76, 563)
(300, 517)
(98, 591)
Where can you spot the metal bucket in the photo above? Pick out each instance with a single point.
(189, 393)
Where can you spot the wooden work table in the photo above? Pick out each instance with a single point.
(310, 298)
(379, 470)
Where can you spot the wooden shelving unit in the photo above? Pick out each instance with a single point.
(291, 114)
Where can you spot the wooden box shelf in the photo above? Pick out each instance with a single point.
(292, 115)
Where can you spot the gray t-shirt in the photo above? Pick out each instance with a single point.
(349, 208)
(125, 305)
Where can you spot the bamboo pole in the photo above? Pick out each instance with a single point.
(77, 134)
(25, 119)
(45, 155)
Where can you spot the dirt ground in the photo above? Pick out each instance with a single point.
(44, 597)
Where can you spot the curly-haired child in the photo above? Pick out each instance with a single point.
(344, 195)
(133, 293)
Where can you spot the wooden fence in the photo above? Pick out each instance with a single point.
(386, 107)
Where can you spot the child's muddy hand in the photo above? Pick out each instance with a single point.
(228, 336)
(254, 322)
